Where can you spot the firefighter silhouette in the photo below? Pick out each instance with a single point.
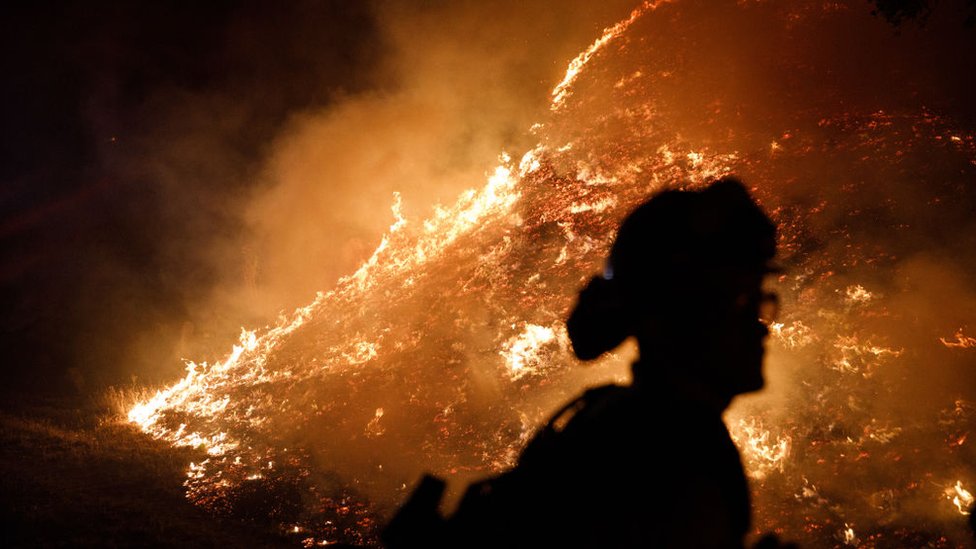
(650, 464)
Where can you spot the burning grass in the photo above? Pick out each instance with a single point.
(443, 352)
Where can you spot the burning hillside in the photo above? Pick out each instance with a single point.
(447, 347)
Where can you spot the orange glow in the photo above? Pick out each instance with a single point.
(562, 90)
(960, 497)
(446, 349)
(763, 452)
(962, 341)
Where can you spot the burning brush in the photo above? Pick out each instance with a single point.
(447, 348)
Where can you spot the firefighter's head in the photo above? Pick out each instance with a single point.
(685, 277)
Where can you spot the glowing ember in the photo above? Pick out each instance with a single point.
(763, 452)
(857, 295)
(524, 353)
(373, 428)
(856, 357)
(962, 341)
(794, 336)
(960, 497)
(849, 537)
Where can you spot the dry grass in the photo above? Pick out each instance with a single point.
(116, 401)
(74, 473)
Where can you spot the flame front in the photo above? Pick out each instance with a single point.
(563, 89)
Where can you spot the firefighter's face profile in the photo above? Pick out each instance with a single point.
(740, 334)
(720, 330)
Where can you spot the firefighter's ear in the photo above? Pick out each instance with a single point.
(598, 322)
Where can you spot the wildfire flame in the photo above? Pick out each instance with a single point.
(764, 452)
(562, 90)
(962, 341)
(857, 295)
(856, 357)
(194, 394)
(849, 537)
(794, 336)
(523, 353)
(445, 350)
(960, 497)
